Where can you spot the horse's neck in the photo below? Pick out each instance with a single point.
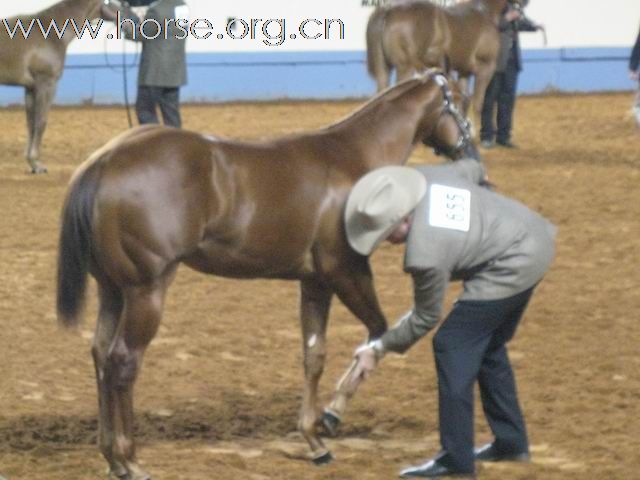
(384, 131)
(73, 10)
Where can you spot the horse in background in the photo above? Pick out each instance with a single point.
(156, 197)
(37, 63)
(412, 35)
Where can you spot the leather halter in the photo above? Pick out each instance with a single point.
(449, 107)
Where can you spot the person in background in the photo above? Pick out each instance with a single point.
(456, 230)
(163, 65)
(634, 74)
(496, 123)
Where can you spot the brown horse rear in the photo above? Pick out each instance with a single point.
(414, 35)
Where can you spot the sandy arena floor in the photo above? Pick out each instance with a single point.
(222, 404)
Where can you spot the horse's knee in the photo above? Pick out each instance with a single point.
(122, 365)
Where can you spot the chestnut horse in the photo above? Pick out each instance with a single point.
(36, 63)
(155, 197)
(412, 35)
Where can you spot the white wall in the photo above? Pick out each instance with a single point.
(569, 23)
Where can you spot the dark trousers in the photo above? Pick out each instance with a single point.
(167, 99)
(471, 345)
(501, 92)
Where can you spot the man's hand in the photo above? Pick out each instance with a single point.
(512, 15)
(634, 75)
(367, 357)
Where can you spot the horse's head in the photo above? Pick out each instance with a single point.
(109, 9)
(446, 130)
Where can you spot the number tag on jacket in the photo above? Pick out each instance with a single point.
(450, 208)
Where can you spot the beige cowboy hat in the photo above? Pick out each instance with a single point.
(377, 204)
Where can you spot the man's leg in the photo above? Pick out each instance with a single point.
(506, 102)
(497, 384)
(636, 107)
(459, 347)
(146, 104)
(170, 107)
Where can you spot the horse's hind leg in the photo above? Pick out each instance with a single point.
(138, 325)
(111, 305)
(314, 310)
(30, 108)
(42, 97)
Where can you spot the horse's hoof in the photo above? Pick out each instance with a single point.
(330, 422)
(119, 475)
(38, 170)
(323, 459)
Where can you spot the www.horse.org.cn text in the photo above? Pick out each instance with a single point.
(272, 32)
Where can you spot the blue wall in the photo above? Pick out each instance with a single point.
(215, 77)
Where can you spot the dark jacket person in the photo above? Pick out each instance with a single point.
(500, 96)
(634, 74)
(163, 65)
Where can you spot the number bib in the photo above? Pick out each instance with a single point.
(450, 208)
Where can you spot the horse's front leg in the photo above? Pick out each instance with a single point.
(355, 289)
(315, 301)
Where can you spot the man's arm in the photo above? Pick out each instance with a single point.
(469, 169)
(525, 24)
(127, 21)
(634, 60)
(429, 288)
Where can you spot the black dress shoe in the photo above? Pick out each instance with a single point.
(506, 144)
(433, 469)
(490, 453)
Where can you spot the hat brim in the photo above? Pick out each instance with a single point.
(365, 240)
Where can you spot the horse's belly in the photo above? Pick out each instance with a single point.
(217, 259)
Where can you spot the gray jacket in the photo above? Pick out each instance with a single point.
(498, 247)
(163, 62)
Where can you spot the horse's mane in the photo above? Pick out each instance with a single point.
(389, 94)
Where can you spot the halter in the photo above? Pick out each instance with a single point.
(449, 107)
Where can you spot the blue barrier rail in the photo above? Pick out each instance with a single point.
(217, 77)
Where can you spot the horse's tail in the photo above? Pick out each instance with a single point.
(75, 245)
(377, 63)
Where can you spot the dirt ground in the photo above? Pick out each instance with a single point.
(221, 386)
